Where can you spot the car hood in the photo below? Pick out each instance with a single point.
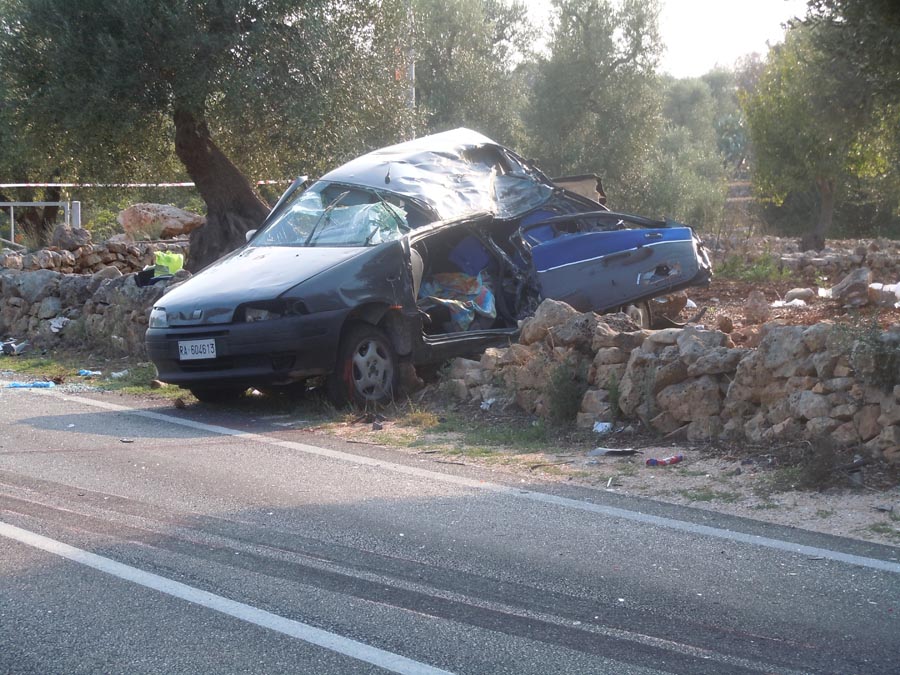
(250, 274)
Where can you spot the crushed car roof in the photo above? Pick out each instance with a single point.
(456, 173)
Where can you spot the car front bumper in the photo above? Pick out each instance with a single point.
(258, 353)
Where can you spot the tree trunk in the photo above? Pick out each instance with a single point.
(37, 223)
(815, 239)
(232, 205)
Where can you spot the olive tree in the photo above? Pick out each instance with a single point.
(596, 104)
(806, 129)
(468, 57)
(234, 86)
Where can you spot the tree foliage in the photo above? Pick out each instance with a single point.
(468, 54)
(861, 39)
(283, 85)
(595, 105)
(814, 132)
(684, 171)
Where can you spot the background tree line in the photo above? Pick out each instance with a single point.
(226, 92)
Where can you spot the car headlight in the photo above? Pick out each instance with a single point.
(159, 318)
(266, 310)
(260, 314)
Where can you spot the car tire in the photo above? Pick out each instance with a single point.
(217, 394)
(367, 371)
(639, 312)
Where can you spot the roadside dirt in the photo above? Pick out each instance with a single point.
(724, 297)
(756, 483)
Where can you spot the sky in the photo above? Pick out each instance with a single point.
(701, 34)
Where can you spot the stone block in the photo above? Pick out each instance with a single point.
(526, 399)
(602, 376)
(595, 401)
(846, 434)
(820, 426)
(717, 361)
(704, 429)
(514, 355)
(549, 313)
(866, 421)
(610, 355)
(808, 405)
(491, 358)
(460, 367)
(692, 399)
(458, 389)
(664, 423)
(577, 332)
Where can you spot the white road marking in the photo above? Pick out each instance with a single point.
(518, 493)
(322, 638)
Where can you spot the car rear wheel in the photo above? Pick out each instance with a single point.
(640, 314)
(366, 371)
(217, 394)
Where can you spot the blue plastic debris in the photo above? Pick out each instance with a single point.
(89, 373)
(30, 385)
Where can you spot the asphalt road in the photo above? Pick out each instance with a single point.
(135, 538)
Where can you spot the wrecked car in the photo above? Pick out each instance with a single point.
(415, 253)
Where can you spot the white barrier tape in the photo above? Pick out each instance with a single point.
(130, 185)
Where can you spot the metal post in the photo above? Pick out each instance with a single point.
(12, 224)
(76, 215)
(66, 211)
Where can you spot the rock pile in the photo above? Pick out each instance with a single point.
(806, 382)
(158, 221)
(839, 258)
(91, 258)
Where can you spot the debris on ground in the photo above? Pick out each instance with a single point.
(58, 323)
(603, 428)
(11, 348)
(665, 461)
(613, 452)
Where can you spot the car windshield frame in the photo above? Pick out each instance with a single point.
(327, 214)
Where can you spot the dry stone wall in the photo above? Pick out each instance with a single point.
(800, 382)
(105, 311)
(91, 258)
(839, 258)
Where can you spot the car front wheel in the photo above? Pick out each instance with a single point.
(366, 371)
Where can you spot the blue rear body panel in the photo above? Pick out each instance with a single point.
(603, 270)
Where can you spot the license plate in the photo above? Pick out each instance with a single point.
(196, 349)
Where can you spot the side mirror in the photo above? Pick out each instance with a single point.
(250, 234)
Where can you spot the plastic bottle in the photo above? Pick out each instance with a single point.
(674, 459)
